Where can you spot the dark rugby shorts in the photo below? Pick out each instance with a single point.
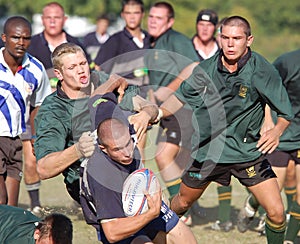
(177, 129)
(281, 159)
(11, 157)
(249, 173)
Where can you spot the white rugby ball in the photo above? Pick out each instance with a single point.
(133, 198)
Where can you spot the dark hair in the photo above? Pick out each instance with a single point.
(238, 21)
(133, 2)
(103, 16)
(15, 20)
(58, 226)
(166, 5)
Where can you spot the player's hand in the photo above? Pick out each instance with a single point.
(162, 94)
(154, 203)
(118, 83)
(269, 140)
(85, 146)
(140, 122)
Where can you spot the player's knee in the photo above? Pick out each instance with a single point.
(162, 161)
(276, 215)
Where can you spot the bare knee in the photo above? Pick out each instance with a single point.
(276, 214)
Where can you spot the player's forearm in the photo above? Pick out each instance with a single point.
(121, 228)
(170, 106)
(184, 74)
(55, 163)
(281, 125)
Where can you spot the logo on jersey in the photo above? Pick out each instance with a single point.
(243, 91)
(251, 172)
(298, 153)
(98, 101)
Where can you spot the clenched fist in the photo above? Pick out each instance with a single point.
(85, 146)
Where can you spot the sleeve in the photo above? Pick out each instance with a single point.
(269, 85)
(194, 90)
(51, 133)
(42, 91)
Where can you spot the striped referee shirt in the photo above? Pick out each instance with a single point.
(29, 85)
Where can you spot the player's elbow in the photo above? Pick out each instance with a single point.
(112, 238)
(42, 172)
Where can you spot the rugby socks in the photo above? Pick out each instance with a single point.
(33, 191)
(252, 204)
(290, 193)
(173, 186)
(275, 232)
(294, 223)
(224, 196)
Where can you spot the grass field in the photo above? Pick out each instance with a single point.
(54, 196)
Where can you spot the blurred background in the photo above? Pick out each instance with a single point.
(275, 24)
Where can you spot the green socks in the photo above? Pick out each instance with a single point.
(294, 223)
(173, 186)
(274, 232)
(290, 193)
(224, 196)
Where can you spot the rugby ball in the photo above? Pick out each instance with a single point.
(133, 198)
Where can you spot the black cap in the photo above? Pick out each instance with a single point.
(208, 15)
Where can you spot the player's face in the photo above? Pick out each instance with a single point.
(205, 30)
(158, 21)
(17, 40)
(234, 42)
(53, 20)
(133, 15)
(121, 149)
(75, 72)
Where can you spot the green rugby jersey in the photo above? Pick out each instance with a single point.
(288, 66)
(229, 107)
(17, 225)
(61, 121)
(171, 53)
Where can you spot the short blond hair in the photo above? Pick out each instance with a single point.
(62, 50)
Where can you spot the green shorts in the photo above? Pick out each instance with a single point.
(249, 173)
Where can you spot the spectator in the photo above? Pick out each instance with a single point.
(93, 41)
(204, 41)
(43, 44)
(123, 52)
(23, 83)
